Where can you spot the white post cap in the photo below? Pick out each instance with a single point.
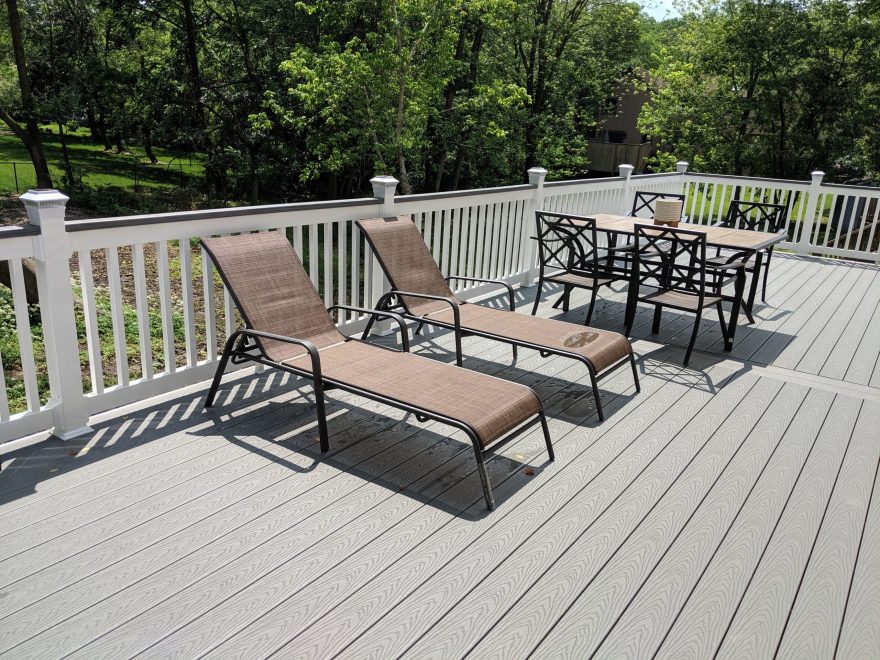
(625, 169)
(681, 166)
(384, 188)
(42, 200)
(537, 176)
(817, 176)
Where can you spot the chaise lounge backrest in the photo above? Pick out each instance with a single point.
(407, 262)
(272, 291)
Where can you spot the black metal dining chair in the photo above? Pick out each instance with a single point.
(672, 264)
(643, 202)
(568, 254)
(756, 216)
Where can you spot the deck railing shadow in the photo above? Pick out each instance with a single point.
(26, 469)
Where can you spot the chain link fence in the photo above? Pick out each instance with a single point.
(17, 177)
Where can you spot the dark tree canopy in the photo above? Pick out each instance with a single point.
(312, 98)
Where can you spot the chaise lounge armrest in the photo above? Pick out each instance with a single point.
(259, 334)
(379, 315)
(488, 281)
(452, 302)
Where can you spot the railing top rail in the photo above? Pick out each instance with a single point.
(580, 182)
(218, 214)
(850, 186)
(17, 231)
(655, 175)
(425, 197)
(747, 178)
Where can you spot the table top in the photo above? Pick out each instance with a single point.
(724, 237)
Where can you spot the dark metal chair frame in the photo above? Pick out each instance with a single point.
(641, 200)
(394, 301)
(244, 345)
(680, 266)
(645, 200)
(756, 216)
(567, 245)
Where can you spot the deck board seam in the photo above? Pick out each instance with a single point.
(703, 499)
(817, 534)
(767, 543)
(561, 508)
(858, 555)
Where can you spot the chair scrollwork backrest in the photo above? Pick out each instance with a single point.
(755, 216)
(643, 202)
(673, 258)
(567, 242)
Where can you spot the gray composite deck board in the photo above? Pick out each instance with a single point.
(725, 509)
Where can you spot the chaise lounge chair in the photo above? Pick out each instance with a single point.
(421, 293)
(288, 328)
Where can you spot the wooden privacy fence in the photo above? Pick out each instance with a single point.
(130, 307)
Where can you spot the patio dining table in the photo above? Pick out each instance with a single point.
(743, 243)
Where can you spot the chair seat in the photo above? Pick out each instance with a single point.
(600, 347)
(584, 281)
(489, 405)
(679, 300)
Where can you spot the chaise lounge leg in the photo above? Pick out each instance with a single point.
(596, 396)
(321, 412)
(546, 430)
(367, 328)
(484, 476)
(632, 362)
(458, 353)
(221, 369)
(380, 305)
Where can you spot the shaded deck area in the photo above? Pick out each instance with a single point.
(731, 508)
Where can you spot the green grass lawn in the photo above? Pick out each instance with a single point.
(95, 167)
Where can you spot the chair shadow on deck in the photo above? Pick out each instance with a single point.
(750, 342)
(391, 449)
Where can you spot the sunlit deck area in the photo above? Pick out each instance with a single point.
(730, 508)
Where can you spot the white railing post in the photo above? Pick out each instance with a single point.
(682, 167)
(803, 243)
(384, 188)
(625, 171)
(45, 209)
(529, 248)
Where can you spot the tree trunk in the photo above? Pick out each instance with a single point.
(102, 127)
(30, 279)
(65, 155)
(148, 145)
(30, 134)
(192, 59)
(93, 124)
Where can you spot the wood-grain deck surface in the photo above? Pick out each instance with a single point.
(730, 509)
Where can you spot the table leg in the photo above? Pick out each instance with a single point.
(738, 290)
(612, 243)
(632, 295)
(753, 286)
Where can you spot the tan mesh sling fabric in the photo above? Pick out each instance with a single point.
(487, 404)
(272, 290)
(410, 267)
(274, 294)
(407, 261)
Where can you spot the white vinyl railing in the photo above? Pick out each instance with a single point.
(131, 307)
